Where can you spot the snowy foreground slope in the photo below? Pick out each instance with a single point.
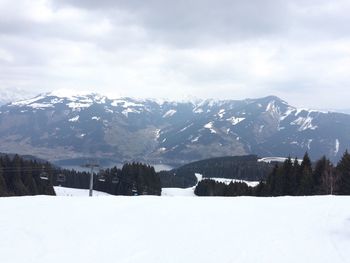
(174, 229)
(65, 191)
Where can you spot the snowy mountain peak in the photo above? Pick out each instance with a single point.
(69, 94)
(81, 124)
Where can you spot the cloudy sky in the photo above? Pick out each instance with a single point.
(296, 49)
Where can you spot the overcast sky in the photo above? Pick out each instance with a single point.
(297, 49)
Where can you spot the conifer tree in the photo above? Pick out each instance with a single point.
(305, 177)
(17, 184)
(271, 181)
(3, 186)
(343, 172)
(324, 178)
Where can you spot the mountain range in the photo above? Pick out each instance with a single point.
(63, 127)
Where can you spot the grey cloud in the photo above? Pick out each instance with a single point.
(196, 22)
(226, 49)
(199, 21)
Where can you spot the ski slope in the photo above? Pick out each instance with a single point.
(65, 191)
(227, 181)
(178, 191)
(151, 229)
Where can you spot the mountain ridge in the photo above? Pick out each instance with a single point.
(68, 125)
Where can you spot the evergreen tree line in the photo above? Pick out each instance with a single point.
(290, 178)
(132, 179)
(233, 167)
(20, 177)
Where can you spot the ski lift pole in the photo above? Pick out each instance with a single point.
(91, 185)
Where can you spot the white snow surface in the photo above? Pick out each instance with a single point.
(178, 191)
(125, 104)
(151, 229)
(223, 180)
(129, 110)
(337, 145)
(228, 181)
(169, 113)
(221, 113)
(77, 105)
(276, 159)
(210, 126)
(235, 120)
(65, 191)
(304, 123)
(195, 139)
(27, 101)
(69, 94)
(74, 119)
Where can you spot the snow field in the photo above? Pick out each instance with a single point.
(65, 191)
(152, 229)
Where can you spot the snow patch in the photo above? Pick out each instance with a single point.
(276, 159)
(195, 139)
(189, 192)
(261, 128)
(128, 110)
(228, 181)
(304, 123)
(234, 120)
(40, 105)
(309, 143)
(336, 146)
(78, 105)
(185, 128)
(221, 113)
(209, 126)
(74, 119)
(157, 133)
(271, 107)
(125, 104)
(289, 111)
(198, 110)
(169, 113)
(27, 101)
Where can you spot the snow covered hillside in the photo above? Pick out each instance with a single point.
(178, 229)
(65, 191)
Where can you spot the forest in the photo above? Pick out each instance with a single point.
(20, 176)
(131, 179)
(232, 167)
(290, 178)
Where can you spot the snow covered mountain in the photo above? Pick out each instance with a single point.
(59, 126)
(8, 95)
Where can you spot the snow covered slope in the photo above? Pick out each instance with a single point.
(179, 229)
(65, 191)
(178, 191)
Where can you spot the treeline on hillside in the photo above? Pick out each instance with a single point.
(290, 178)
(177, 178)
(231, 167)
(20, 177)
(132, 179)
